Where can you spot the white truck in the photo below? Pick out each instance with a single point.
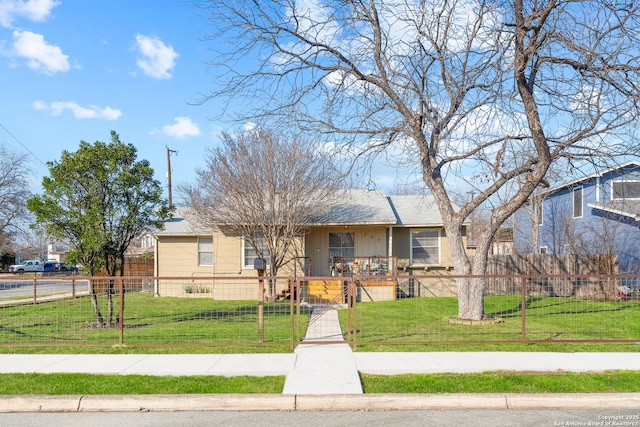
(28, 265)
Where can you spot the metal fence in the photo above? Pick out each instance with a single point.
(517, 309)
(188, 312)
(201, 312)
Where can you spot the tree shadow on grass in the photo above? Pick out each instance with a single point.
(534, 309)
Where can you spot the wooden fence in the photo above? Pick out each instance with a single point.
(138, 266)
(554, 265)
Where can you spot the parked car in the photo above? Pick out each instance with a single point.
(28, 265)
(35, 265)
(61, 266)
(54, 266)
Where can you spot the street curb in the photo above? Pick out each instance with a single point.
(350, 402)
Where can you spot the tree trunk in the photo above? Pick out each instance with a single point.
(470, 289)
(471, 298)
(94, 303)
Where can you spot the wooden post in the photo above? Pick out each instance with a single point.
(121, 320)
(292, 295)
(35, 290)
(523, 303)
(261, 306)
(169, 189)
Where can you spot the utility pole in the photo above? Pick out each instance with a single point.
(169, 191)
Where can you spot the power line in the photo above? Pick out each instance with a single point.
(23, 146)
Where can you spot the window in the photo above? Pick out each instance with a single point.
(543, 249)
(425, 247)
(205, 251)
(341, 245)
(626, 190)
(577, 203)
(249, 253)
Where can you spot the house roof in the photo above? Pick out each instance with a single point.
(358, 207)
(415, 210)
(586, 178)
(629, 208)
(350, 207)
(181, 225)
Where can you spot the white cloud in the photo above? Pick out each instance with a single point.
(155, 58)
(33, 10)
(182, 128)
(249, 126)
(56, 108)
(39, 55)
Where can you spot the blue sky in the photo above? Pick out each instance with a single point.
(73, 70)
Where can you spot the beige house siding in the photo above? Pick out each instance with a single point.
(402, 248)
(178, 257)
(369, 241)
(228, 255)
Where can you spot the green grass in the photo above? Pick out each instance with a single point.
(157, 325)
(205, 325)
(480, 346)
(68, 384)
(490, 382)
(505, 382)
(409, 324)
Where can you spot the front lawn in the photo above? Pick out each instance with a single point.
(550, 320)
(169, 324)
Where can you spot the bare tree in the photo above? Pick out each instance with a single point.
(265, 188)
(485, 95)
(14, 192)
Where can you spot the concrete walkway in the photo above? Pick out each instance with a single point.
(322, 368)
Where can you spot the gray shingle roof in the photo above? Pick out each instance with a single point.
(358, 207)
(350, 207)
(181, 224)
(416, 210)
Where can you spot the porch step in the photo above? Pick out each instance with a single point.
(326, 290)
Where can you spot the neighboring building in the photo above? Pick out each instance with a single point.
(144, 245)
(597, 214)
(406, 230)
(57, 251)
(502, 243)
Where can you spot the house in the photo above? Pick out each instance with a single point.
(367, 232)
(596, 214)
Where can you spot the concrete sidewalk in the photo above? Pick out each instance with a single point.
(322, 368)
(286, 364)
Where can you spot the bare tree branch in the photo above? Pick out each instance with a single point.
(491, 94)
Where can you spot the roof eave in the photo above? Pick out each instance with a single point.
(633, 216)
